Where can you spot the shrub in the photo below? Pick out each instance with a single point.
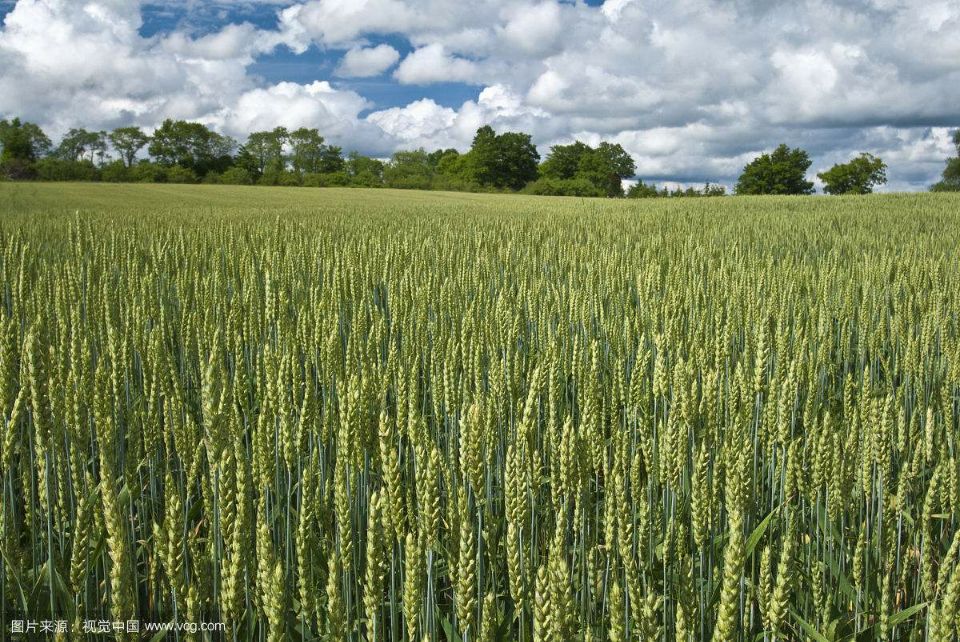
(236, 176)
(55, 169)
(115, 172)
(562, 187)
(177, 174)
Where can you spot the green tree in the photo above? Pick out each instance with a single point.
(606, 167)
(950, 181)
(563, 161)
(21, 145)
(781, 172)
(331, 160)
(508, 160)
(263, 153)
(409, 170)
(191, 146)
(306, 150)
(364, 171)
(642, 190)
(128, 141)
(80, 144)
(859, 176)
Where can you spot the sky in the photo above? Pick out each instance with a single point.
(692, 89)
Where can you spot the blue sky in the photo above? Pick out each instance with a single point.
(693, 89)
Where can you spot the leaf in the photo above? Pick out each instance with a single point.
(808, 628)
(451, 633)
(902, 616)
(757, 533)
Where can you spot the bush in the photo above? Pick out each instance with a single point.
(562, 187)
(115, 172)
(236, 176)
(18, 169)
(55, 169)
(333, 179)
(177, 174)
(147, 172)
(288, 179)
(272, 177)
(211, 178)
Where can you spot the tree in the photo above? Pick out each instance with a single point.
(22, 141)
(80, 144)
(331, 160)
(128, 141)
(263, 153)
(306, 150)
(409, 170)
(191, 146)
(859, 176)
(508, 160)
(364, 171)
(950, 181)
(606, 167)
(781, 172)
(563, 161)
(21, 145)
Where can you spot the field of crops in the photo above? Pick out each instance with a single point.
(375, 415)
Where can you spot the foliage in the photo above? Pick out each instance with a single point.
(236, 176)
(859, 176)
(951, 173)
(128, 141)
(190, 146)
(383, 416)
(781, 172)
(21, 145)
(83, 145)
(116, 172)
(644, 190)
(178, 174)
(59, 169)
(547, 186)
(504, 161)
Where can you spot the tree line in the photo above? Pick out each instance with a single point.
(188, 152)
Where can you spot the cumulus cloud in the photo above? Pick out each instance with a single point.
(363, 62)
(692, 89)
(432, 64)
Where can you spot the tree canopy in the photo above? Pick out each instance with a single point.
(859, 176)
(950, 181)
(192, 146)
(781, 172)
(603, 167)
(128, 141)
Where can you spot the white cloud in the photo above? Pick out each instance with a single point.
(363, 62)
(692, 89)
(432, 64)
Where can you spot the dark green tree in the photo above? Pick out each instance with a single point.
(331, 160)
(22, 141)
(191, 146)
(859, 176)
(606, 167)
(409, 170)
(306, 150)
(364, 171)
(21, 145)
(781, 172)
(950, 181)
(128, 141)
(263, 153)
(80, 144)
(563, 161)
(508, 160)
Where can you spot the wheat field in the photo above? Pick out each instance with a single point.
(373, 415)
